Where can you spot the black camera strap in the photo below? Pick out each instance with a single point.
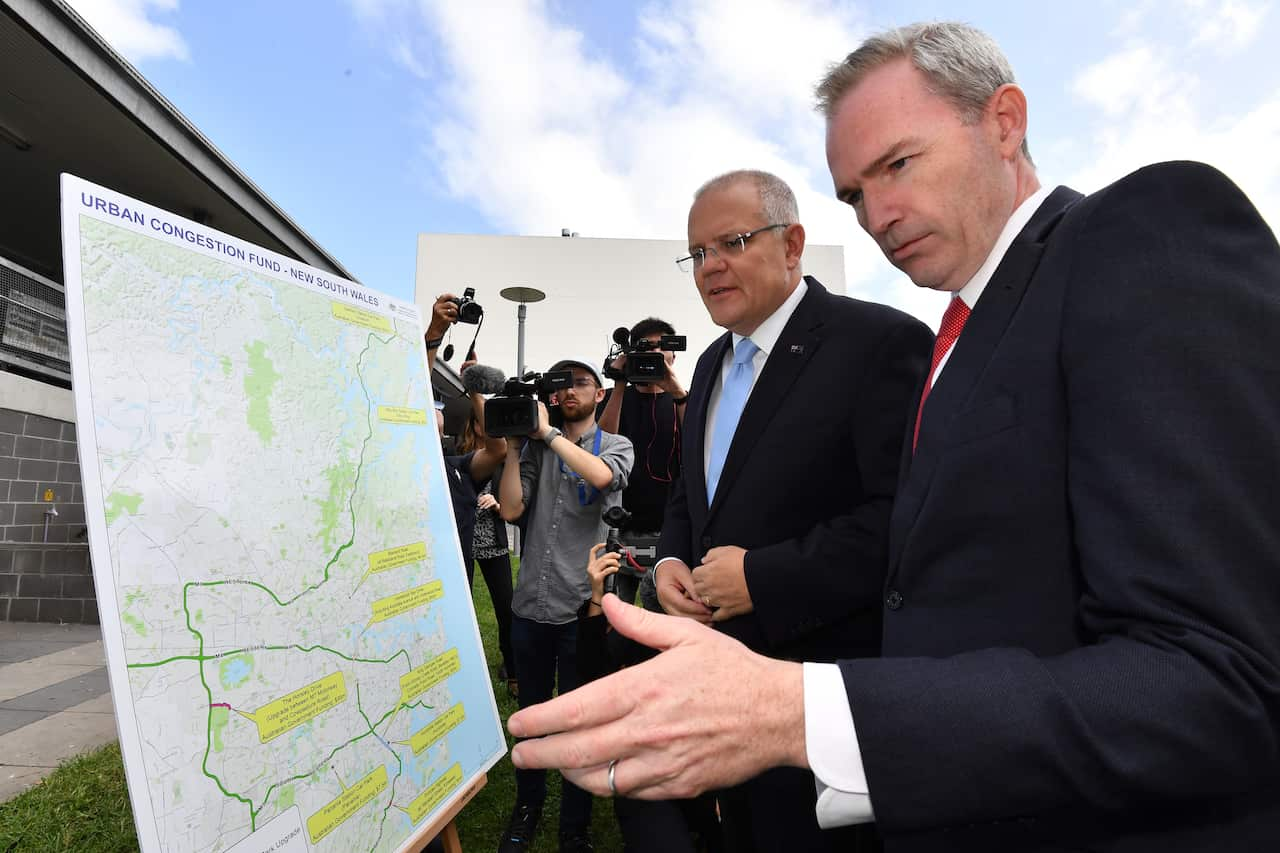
(586, 498)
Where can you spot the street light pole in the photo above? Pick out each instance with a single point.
(522, 295)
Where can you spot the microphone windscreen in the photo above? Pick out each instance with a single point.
(483, 379)
(622, 336)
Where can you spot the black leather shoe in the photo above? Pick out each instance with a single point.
(578, 843)
(520, 829)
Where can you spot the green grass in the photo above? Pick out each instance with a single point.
(84, 804)
(483, 820)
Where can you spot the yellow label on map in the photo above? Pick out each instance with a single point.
(401, 415)
(401, 555)
(435, 794)
(402, 602)
(347, 803)
(361, 317)
(276, 718)
(429, 674)
(437, 728)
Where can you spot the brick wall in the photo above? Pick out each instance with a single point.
(42, 582)
(38, 454)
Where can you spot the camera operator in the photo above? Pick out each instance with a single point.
(563, 480)
(466, 473)
(650, 415)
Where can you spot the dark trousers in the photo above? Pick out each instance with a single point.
(547, 655)
(668, 826)
(497, 577)
(774, 813)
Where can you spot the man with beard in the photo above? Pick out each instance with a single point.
(564, 480)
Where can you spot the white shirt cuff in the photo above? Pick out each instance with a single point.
(831, 742)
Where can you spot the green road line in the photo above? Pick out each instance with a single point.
(296, 648)
(204, 764)
(208, 743)
(200, 657)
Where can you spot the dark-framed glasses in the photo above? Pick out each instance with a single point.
(723, 247)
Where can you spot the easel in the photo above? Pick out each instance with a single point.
(444, 826)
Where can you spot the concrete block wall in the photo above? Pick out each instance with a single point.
(39, 581)
(46, 583)
(37, 455)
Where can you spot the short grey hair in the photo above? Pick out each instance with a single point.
(962, 64)
(777, 201)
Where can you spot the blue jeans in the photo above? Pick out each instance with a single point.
(544, 652)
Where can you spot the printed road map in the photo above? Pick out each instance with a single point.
(294, 658)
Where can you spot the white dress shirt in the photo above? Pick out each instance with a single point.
(831, 739)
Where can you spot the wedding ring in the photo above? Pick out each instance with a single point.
(612, 788)
(706, 599)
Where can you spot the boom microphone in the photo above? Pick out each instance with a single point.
(482, 379)
(622, 336)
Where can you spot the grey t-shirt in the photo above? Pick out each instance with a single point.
(553, 581)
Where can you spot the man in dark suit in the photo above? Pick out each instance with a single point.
(776, 533)
(1080, 627)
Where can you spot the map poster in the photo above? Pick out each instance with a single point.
(293, 654)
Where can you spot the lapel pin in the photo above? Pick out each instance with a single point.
(797, 349)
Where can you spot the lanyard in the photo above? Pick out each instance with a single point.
(585, 499)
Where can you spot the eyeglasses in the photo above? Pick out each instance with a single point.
(584, 382)
(723, 247)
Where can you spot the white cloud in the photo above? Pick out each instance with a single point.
(542, 132)
(1135, 79)
(542, 129)
(1227, 25)
(1222, 25)
(128, 27)
(1151, 113)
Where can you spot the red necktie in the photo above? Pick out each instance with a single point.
(953, 321)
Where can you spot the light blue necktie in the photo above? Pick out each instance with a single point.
(733, 399)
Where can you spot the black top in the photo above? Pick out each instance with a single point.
(649, 420)
(462, 489)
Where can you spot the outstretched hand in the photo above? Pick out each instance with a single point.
(706, 713)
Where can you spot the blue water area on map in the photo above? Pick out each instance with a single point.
(235, 672)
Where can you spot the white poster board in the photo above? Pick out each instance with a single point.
(293, 654)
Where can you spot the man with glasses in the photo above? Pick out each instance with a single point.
(564, 480)
(777, 533)
(1080, 622)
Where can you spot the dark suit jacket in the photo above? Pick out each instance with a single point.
(1082, 612)
(808, 484)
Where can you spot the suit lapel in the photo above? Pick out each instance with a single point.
(969, 357)
(795, 346)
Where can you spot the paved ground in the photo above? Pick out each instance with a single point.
(54, 699)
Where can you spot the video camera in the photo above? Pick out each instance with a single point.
(616, 517)
(469, 311)
(515, 411)
(646, 365)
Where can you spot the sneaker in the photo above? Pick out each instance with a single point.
(577, 843)
(520, 829)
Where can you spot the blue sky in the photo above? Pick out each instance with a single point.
(371, 121)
